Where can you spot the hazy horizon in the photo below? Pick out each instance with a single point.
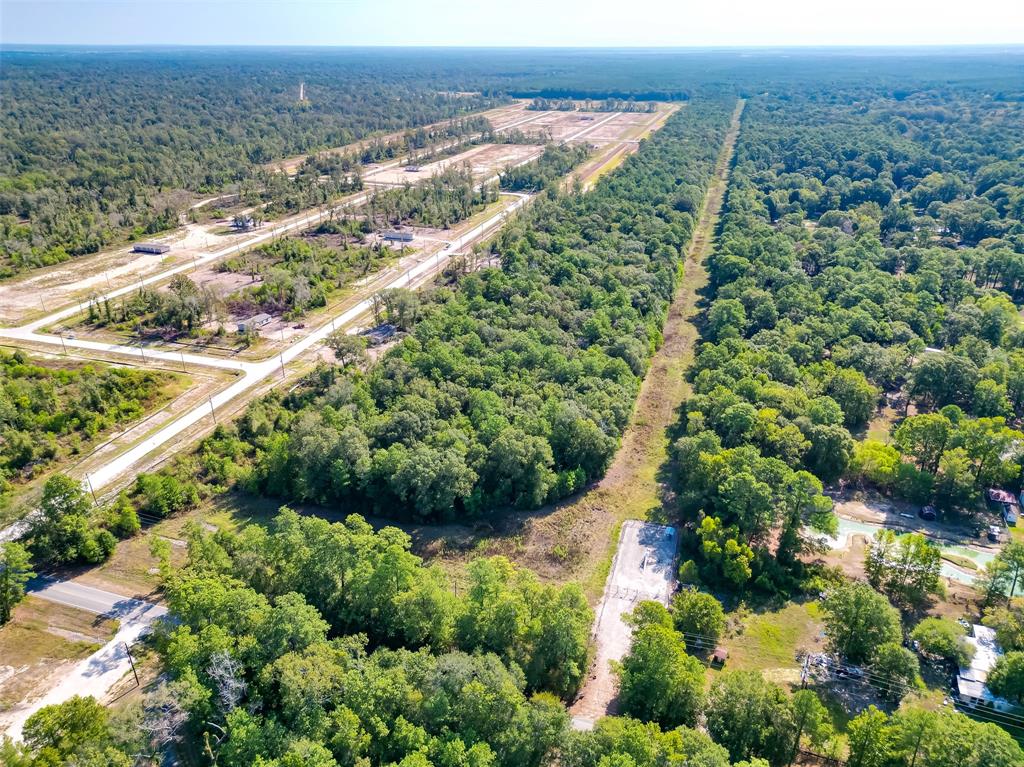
(528, 24)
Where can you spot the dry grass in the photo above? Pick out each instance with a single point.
(39, 636)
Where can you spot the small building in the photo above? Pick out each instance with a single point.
(1005, 503)
(153, 248)
(379, 335)
(1001, 496)
(397, 235)
(254, 323)
(972, 690)
(719, 656)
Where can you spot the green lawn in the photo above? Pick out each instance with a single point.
(768, 641)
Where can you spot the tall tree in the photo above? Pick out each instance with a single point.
(858, 620)
(658, 681)
(15, 571)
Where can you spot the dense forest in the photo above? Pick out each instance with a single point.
(441, 201)
(51, 410)
(311, 643)
(868, 254)
(99, 148)
(547, 170)
(860, 329)
(514, 385)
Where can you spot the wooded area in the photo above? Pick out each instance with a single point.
(514, 385)
(859, 333)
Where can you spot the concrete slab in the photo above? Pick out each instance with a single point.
(644, 569)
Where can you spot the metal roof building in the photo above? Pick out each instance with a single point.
(970, 682)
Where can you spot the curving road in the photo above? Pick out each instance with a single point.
(254, 372)
(99, 672)
(251, 373)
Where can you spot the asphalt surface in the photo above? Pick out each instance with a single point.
(644, 568)
(98, 673)
(92, 600)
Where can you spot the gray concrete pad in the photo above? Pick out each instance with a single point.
(644, 569)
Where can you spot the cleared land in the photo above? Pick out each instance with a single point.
(644, 569)
(42, 640)
(499, 117)
(485, 161)
(32, 296)
(44, 290)
(103, 665)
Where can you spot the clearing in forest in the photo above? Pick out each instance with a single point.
(644, 569)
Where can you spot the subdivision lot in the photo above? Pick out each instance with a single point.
(644, 569)
(46, 289)
(499, 117)
(574, 539)
(42, 638)
(73, 450)
(485, 161)
(33, 295)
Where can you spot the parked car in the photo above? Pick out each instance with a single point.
(994, 533)
(1009, 516)
(927, 512)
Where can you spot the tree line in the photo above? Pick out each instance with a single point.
(820, 310)
(105, 147)
(514, 384)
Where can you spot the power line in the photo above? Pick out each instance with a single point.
(881, 682)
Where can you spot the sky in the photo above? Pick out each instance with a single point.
(577, 23)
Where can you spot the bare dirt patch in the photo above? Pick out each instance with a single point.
(485, 161)
(40, 638)
(498, 117)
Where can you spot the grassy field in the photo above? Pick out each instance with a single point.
(767, 641)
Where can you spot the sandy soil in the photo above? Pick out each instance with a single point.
(42, 641)
(644, 569)
(870, 507)
(55, 286)
(498, 117)
(485, 160)
(44, 290)
(609, 156)
(618, 128)
(960, 598)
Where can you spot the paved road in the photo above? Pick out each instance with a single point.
(254, 372)
(92, 600)
(98, 673)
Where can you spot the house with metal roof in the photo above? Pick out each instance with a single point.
(971, 681)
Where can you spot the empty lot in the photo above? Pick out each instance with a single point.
(644, 568)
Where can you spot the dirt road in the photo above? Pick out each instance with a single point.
(576, 539)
